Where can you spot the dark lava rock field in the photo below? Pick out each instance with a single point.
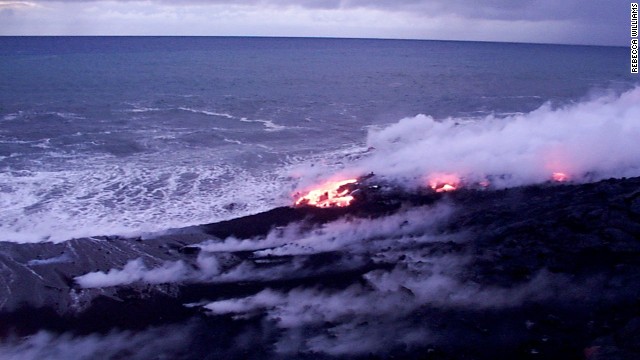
(550, 271)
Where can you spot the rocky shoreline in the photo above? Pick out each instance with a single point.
(542, 272)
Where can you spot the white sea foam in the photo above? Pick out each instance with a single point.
(61, 114)
(268, 124)
(128, 199)
(205, 112)
(512, 97)
(43, 144)
(16, 141)
(143, 109)
(68, 115)
(11, 116)
(238, 142)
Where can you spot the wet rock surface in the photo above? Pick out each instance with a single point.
(539, 272)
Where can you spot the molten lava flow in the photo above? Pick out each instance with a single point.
(560, 177)
(445, 188)
(444, 182)
(331, 194)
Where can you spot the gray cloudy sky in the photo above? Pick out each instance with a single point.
(601, 22)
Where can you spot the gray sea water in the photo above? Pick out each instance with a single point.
(127, 135)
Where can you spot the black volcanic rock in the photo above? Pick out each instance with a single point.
(581, 242)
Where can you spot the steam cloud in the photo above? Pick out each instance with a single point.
(368, 318)
(340, 235)
(136, 271)
(365, 315)
(588, 141)
(152, 343)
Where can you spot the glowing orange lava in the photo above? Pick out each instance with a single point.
(444, 182)
(445, 188)
(560, 177)
(331, 194)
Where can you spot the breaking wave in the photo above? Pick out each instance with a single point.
(126, 200)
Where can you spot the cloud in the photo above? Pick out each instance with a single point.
(17, 4)
(492, 9)
(498, 20)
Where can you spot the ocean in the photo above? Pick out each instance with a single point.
(137, 135)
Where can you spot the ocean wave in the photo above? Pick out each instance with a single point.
(268, 124)
(232, 141)
(512, 97)
(129, 199)
(10, 117)
(142, 109)
(205, 112)
(31, 114)
(43, 144)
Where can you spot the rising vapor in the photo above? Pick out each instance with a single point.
(587, 141)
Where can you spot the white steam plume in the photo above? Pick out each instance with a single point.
(374, 313)
(347, 235)
(136, 271)
(588, 140)
(153, 343)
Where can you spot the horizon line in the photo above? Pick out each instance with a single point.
(312, 37)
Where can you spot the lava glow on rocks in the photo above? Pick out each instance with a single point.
(444, 182)
(331, 194)
(339, 193)
(560, 177)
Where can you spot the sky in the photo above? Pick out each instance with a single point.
(591, 22)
